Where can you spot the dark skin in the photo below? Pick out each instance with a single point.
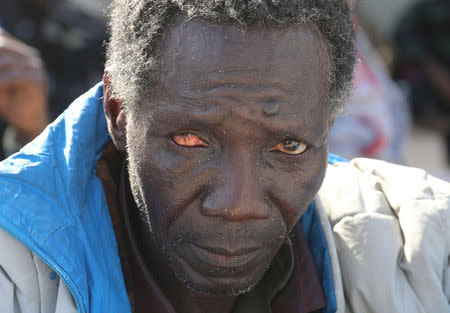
(233, 154)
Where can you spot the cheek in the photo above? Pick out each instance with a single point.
(294, 193)
(168, 182)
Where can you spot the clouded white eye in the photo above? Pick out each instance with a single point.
(290, 146)
(189, 140)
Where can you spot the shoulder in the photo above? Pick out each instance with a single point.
(391, 229)
(27, 284)
(366, 185)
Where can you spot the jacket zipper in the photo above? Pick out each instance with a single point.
(65, 278)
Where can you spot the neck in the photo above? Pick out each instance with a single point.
(185, 301)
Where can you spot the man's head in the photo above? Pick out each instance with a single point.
(138, 27)
(225, 122)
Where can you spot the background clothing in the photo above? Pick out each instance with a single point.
(422, 63)
(376, 119)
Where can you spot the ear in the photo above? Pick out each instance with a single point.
(115, 115)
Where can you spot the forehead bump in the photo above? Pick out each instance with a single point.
(271, 107)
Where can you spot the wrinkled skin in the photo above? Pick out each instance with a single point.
(210, 169)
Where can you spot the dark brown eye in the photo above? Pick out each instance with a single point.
(189, 140)
(290, 146)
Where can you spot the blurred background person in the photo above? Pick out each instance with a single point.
(23, 94)
(406, 42)
(422, 63)
(376, 119)
(50, 53)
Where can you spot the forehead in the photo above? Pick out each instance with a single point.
(289, 65)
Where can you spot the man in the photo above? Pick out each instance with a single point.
(219, 114)
(37, 84)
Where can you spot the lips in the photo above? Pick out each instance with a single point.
(225, 258)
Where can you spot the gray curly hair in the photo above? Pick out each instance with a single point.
(137, 28)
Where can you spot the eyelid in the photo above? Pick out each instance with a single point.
(295, 136)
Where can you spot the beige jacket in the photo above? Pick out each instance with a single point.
(387, 228)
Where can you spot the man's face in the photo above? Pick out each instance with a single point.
(235, 152)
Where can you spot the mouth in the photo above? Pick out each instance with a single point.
(225, 258)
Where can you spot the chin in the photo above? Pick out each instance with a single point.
(219, 281)
(218, 286)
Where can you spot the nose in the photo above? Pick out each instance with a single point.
(237, 195)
